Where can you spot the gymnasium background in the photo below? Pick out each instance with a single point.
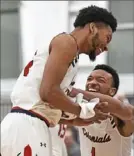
(25, 25)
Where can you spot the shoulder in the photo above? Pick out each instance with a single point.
(64, 41)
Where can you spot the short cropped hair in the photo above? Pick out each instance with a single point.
(95, 14)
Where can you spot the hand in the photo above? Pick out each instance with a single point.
(103, 107)
(74, 92)
(101, 111)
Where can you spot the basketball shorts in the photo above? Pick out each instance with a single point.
(24, 135)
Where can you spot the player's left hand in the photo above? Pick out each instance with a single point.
(74, 92)
(103, 107)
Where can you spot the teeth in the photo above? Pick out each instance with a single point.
(100, 50)
(92, 90)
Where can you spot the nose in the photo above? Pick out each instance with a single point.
(92, 83)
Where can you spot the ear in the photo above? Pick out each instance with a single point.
(93, 29)
(112, 91)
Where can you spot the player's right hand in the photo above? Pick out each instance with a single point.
(99, 115)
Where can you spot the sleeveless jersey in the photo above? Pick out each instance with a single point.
(104, 140)
(25, 93)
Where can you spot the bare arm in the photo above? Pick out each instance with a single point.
(115, 107)
(63, 50)
(77, 122)
(127, 127)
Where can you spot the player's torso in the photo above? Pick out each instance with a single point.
(104, 140)
(26, 90)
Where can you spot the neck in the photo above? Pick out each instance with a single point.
(81, 39)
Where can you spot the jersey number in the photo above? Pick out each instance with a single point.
(28, 66)
(62, 130)
(93, 151)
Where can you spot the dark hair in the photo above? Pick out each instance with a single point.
(95, 14)
(110, 70)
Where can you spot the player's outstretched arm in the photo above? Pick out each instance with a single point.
(129, 127)
(63, 50)
(125, 128)
(115, 106)
(77, 122)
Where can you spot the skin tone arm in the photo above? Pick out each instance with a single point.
(85, 122)
(63, 50)
(114, 106)
(77, 122)
(82, 122)
(127, 127)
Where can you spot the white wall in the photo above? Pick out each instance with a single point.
(40, 21)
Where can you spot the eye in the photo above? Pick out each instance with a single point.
(89, 78)
(101, 80)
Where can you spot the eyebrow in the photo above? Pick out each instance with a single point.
(97, 77)
(89, 77)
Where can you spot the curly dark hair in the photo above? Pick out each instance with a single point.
(110, 70)
(95, 14)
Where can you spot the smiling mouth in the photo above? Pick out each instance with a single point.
(99, 51)
(92, 90)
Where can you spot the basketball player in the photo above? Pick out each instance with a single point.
(112, 137)
(40, 97)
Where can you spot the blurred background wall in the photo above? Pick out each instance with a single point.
(25, 25)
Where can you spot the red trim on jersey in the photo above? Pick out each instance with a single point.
(28, 66)
(34, 113)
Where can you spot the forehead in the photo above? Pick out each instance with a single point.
(101, 73)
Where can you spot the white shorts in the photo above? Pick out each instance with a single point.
(23, 135)
(58, 145)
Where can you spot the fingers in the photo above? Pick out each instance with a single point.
(101, 115)
(103, 106)
(74, 92)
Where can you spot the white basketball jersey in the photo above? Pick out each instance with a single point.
(104, 140)
(25, 93)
